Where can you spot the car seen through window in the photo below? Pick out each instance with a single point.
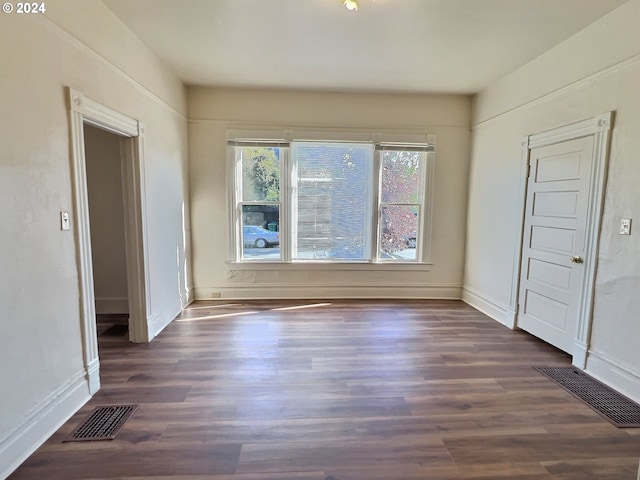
(258, 237)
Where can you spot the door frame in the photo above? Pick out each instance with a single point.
(600, 127)
(83, 111)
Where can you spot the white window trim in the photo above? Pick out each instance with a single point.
(234, 171)
(320, 266)
(283, 138)
(423, 253)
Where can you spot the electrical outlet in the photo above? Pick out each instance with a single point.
(625, 226)
(64, 221)
(215, 294)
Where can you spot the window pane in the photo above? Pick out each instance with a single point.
(260, 174)
(333, 208)
(398, 232)
(401, 173)
(260, 232)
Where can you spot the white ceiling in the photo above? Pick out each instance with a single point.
(457, 46)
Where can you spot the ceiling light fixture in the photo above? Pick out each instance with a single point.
(351, 5)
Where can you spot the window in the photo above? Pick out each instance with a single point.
(402, 189)
(324, 202)
(258, 201)
(332, 192)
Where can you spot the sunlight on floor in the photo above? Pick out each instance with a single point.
(237, 314)
(298, 307)
(212, 317)
(208, 307)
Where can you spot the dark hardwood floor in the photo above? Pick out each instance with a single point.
(342, 390)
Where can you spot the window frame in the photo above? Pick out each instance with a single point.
(237, 201)
(423, 227)
(293, 203)
(287, 208)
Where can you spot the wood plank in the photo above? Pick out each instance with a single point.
(340, 390)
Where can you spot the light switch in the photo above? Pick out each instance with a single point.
(64, 221)
(625, 226)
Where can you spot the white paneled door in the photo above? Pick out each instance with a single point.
(553, 250)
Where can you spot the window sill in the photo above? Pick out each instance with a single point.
(330, 266)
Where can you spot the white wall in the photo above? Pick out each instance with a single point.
(212, 111)
(106, 212)
(77, 43)
(596, 71)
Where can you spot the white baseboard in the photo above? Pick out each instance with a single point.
(188, 297)
(112, 305)
(93, 376)
(42, 422)
(158, 322)
(500, 313)
(254, 291)
(579, 354)
(614, 373)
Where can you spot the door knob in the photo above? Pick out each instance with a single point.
(576, 259)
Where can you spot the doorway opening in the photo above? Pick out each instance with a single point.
(88, 116)
(106, 217)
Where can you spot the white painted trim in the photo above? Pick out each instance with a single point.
(288, 202)
(42, 422)
(112, 305)
(349, 134)
(510, 317)
(344, 291)
(519, 232)
(375, 213)
(93, 376)
(579, 355)
(319, 266)
(136, 240)
(159, 321)
(598, 126)
(500, 313)
(83, 240)
(616, 374)
(189, 297)
(84, 110)
(602, 130)
(584, 128)
(232, 187)
(426, 222)
(100, 116)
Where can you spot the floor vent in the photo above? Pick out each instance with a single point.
(616, 408)
(104, 423)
